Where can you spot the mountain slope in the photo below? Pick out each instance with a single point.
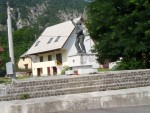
(31, 17)
(41, 12)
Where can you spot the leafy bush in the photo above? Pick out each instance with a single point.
(65, 68)
(24, 96)
(130, 64)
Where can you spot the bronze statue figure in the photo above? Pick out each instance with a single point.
(79, 43)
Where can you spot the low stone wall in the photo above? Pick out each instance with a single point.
(111, 75)
(48, 86)
(3, 89)
(23, 73)
(74, 102)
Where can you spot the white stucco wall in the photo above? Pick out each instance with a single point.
(82, 60)
(22, 62)
(37, 64)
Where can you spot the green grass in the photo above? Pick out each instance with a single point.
(23, 77)
(5, 80)
(104, 69)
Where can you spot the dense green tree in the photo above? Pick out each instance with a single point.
(22, 38)
(121, 28)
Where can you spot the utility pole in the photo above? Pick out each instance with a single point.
(10, 40)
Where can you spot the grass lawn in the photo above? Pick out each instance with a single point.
(7, 80)
(104, 69)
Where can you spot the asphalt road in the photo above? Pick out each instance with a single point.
(137, 109)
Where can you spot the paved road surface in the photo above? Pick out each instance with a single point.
(137, 109)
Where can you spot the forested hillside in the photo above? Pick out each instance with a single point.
(31, 17)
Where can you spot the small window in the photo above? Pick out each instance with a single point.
(58, 37)
(50, 40)
(37, 43)
(26, 66)
(59, 59)
(49, 57)
(41, 59)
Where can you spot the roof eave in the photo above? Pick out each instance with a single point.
(45, 51)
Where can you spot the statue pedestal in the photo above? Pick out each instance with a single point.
(83, 63)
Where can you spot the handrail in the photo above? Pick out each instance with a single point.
(58, 63)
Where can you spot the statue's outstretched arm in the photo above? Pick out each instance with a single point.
(73, 22)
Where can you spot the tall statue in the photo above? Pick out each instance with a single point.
(79, 43)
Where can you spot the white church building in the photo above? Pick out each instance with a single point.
(55, 49)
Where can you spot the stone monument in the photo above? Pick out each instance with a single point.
(84, 62)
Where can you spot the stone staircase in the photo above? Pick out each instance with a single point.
(53, 86)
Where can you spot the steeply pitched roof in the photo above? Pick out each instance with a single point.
(52, 38)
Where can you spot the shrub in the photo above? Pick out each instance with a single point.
(130, 64)
(24, 96)
(65, 68)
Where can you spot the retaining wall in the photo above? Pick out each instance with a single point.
(48, 86)
(84, 101)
